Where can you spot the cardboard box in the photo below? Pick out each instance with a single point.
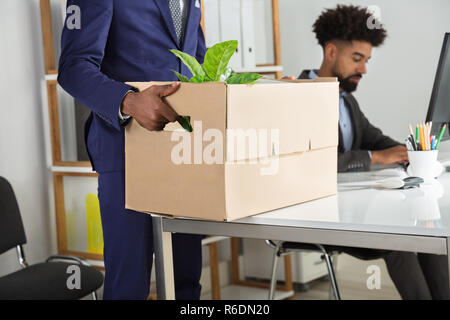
(277, 143)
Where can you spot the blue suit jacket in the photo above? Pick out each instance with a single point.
(119, 41)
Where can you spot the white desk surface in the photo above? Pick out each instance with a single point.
(360, 207)
(416, 220)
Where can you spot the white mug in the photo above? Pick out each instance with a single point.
(424, 164)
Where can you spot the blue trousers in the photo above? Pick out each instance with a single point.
(128, 248)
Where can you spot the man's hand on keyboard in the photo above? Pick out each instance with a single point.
(397, 154)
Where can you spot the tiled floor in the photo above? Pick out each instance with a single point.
(352, 275)
(348, 290)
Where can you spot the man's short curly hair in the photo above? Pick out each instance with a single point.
(347, 23)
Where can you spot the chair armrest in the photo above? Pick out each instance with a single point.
(69, 258)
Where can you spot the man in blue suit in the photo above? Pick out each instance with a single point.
(119, 41)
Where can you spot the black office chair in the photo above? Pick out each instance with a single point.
(41, 281)
(283, 248)
(329, 254)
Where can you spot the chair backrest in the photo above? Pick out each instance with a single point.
(12, 232)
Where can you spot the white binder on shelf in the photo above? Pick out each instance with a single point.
(263, 46)
(248, 34)
(212, 22)
(230, 28)
(63, 9)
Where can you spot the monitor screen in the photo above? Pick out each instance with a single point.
(439, 109)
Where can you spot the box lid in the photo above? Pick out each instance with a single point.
(305, 114)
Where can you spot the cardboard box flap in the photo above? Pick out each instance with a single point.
(204, 102)
(305, 114)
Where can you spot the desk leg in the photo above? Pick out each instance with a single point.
(162, 242)
(448, 259)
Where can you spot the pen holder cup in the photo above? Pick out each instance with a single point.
(423, 164)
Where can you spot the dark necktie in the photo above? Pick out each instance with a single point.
(177, 17)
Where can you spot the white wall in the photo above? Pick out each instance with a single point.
(22, 147)
(397, 87)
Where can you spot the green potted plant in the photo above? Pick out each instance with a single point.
(214, 69)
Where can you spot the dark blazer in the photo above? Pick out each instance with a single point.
(366, 137)
(119, 41)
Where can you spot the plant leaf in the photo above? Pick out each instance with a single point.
(217, 58)
(197, 79)
(180, 76)
(190, 62)
(206, 78)
(243, 78)
(185, 122)
(228, 73)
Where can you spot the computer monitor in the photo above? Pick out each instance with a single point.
(439, 109)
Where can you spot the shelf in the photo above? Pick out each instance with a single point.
(234, 292)
(72, 169)
(96, 263)
(51, 76)
(261, 69)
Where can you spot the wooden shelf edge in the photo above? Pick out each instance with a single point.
(72, 164)
(84, 255)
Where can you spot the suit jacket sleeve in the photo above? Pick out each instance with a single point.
(353, 160)
(82, 52)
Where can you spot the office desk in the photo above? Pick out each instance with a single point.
(416, 220)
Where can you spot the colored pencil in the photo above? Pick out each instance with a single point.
(422, 139)
(440, 135)
(417, 136)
